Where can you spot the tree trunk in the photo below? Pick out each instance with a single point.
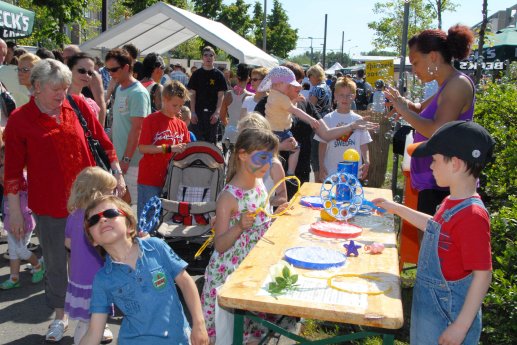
(482, 29)
(378, 148)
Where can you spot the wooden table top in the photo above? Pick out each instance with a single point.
(244, 288)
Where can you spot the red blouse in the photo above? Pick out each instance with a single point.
(53, 153)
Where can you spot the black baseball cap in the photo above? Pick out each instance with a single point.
(466, 140)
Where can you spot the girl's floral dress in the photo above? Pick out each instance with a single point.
(221, 265)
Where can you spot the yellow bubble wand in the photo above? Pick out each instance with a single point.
(289, 206)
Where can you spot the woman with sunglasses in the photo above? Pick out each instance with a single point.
(82, 66)
(25, 64)
(140, 278)
(45, 136)
(249, 103)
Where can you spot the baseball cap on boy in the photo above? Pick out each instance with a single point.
(463, 139)
(279, 74)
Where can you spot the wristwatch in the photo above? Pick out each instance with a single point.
(126, 159)
(117, 172)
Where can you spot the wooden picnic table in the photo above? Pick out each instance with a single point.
(244, 290)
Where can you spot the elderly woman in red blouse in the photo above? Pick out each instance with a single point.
(45, 137)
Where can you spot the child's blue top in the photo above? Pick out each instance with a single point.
(146, 295)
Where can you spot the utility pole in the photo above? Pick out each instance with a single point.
(264, 27)
(325, 42)
(342, 44)
(104, 15)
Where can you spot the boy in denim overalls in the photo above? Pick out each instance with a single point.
(455, 263)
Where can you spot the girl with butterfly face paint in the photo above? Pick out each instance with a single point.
(237, 228)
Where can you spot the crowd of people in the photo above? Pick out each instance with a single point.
(144, 113)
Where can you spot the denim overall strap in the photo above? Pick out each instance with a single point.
(437, 302)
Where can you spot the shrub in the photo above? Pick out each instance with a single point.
(496, 110)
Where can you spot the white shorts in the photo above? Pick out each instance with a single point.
(18, 248)
(131, 178)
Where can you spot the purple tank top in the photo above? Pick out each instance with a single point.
(420, 171)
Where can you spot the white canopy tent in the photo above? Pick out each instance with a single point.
(162, 27)
(335, 67)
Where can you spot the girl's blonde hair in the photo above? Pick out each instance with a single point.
(91, 183)
(175, 88)
(131, 222)
(253, 120)
(249, 140)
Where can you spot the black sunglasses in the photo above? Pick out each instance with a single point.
(255, 79)
(109, 214)
(23, 69)
(208, 55)
(113, 69)
(85, 71)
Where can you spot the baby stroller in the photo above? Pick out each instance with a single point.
(194, 180)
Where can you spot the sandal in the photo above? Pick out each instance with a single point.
(56, 330)
(107, 336)
(9, 284)
(37, 276)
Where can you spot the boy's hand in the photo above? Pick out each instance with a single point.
(282, 207)
(179, 148)
(363, 170)
(323, 173)
(385, 204)
(246, 221)
(453, 335)
(199, 336)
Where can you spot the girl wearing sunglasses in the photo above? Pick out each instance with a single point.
(82, 66)
(140, 278)
(90, 184)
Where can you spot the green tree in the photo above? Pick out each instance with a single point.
(257, 20)
(281, 38)
(388, 29)
(51, 18)
(139, 5)
(440, 6)
(376, 52)
(209, 9)
(235, 16)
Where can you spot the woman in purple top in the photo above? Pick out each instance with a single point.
(85, 261)
(431, 53)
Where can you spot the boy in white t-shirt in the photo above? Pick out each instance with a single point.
(331, 152)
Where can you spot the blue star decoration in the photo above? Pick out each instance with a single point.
(351, 248)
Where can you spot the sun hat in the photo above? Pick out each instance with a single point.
(279, 74)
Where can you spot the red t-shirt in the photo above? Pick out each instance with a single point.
(54, 153)
(464, 244)
(158, 129)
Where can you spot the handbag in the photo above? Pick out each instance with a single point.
(100, 156)
(8, 101)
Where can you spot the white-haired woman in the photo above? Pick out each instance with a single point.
(46, 137)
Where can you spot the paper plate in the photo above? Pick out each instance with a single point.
(335, 229)
(311, 201)
(315, 258)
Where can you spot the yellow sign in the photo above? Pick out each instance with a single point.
(379, 70)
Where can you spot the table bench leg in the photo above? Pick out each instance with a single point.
(238, 327)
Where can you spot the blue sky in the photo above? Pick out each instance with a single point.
(352, 16)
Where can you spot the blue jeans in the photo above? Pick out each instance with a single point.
(436, 301)
(144, 194)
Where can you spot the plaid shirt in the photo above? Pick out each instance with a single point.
(180, 76)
